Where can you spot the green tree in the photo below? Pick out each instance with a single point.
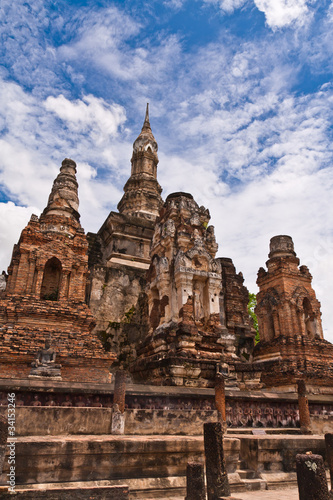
(250, 307)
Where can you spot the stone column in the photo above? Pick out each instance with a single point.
(220, 400)
(216, 475)
(311, 477)
(303, 406)
(3, 439)
(120, 390)
(329, 455)
(195, 482)
(118, 407)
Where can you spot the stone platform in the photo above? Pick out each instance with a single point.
(154, 466)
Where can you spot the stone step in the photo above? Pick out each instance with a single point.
(247, 473)
(79, 491)
(255, 484)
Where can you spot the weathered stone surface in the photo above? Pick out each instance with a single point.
(185, 342)
(120, 390)
(329, 454)
(195, 481)
(303, 406)
(119, 256)
(275, 453)
(117, 420)
(3, 439)
(234, 298)
(142, 197)
(53, 421)
(216, 475)
(292, 344)
(82, 458)
(311, 477)
(220, 397)
(96, 493)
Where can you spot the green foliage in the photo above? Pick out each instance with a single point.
(129, 315)
(250, 307)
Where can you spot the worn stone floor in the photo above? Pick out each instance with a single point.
(285, 494)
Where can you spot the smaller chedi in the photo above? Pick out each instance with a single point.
(44, 300)
(291, 345)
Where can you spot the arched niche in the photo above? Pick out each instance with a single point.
(51, 280)
(309, 319)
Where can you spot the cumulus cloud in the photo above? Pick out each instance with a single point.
(280, 13)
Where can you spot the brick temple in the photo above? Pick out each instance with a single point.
(149, 294)
(119, 347)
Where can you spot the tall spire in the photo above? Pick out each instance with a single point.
(142, 197)
(146, 138)
(146, 124)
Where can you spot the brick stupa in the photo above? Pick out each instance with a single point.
(45, 324)
(291, 344)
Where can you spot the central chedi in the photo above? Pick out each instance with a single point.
(186, 340)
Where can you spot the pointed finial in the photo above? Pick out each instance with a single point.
(146, 124)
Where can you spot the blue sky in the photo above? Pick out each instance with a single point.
(241, 105)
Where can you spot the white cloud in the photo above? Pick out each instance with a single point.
(104, 40)
(37, 135)
(278, 13)
(227, 6)
(12, 220)
(174, 4)
(281, 13)
(88, 115)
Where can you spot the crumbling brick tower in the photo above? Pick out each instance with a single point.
(45, 294)
(289, 318)
(187, 339)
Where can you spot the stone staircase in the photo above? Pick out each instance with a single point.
(251, 480)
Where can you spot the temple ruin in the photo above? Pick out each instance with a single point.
(147, 299)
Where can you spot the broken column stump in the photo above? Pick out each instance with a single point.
(311, 477)
(118, 407)
(195, 481)
(120, 390)
(220, 400)
(216, 475)
(329, 455)
(303, 406)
